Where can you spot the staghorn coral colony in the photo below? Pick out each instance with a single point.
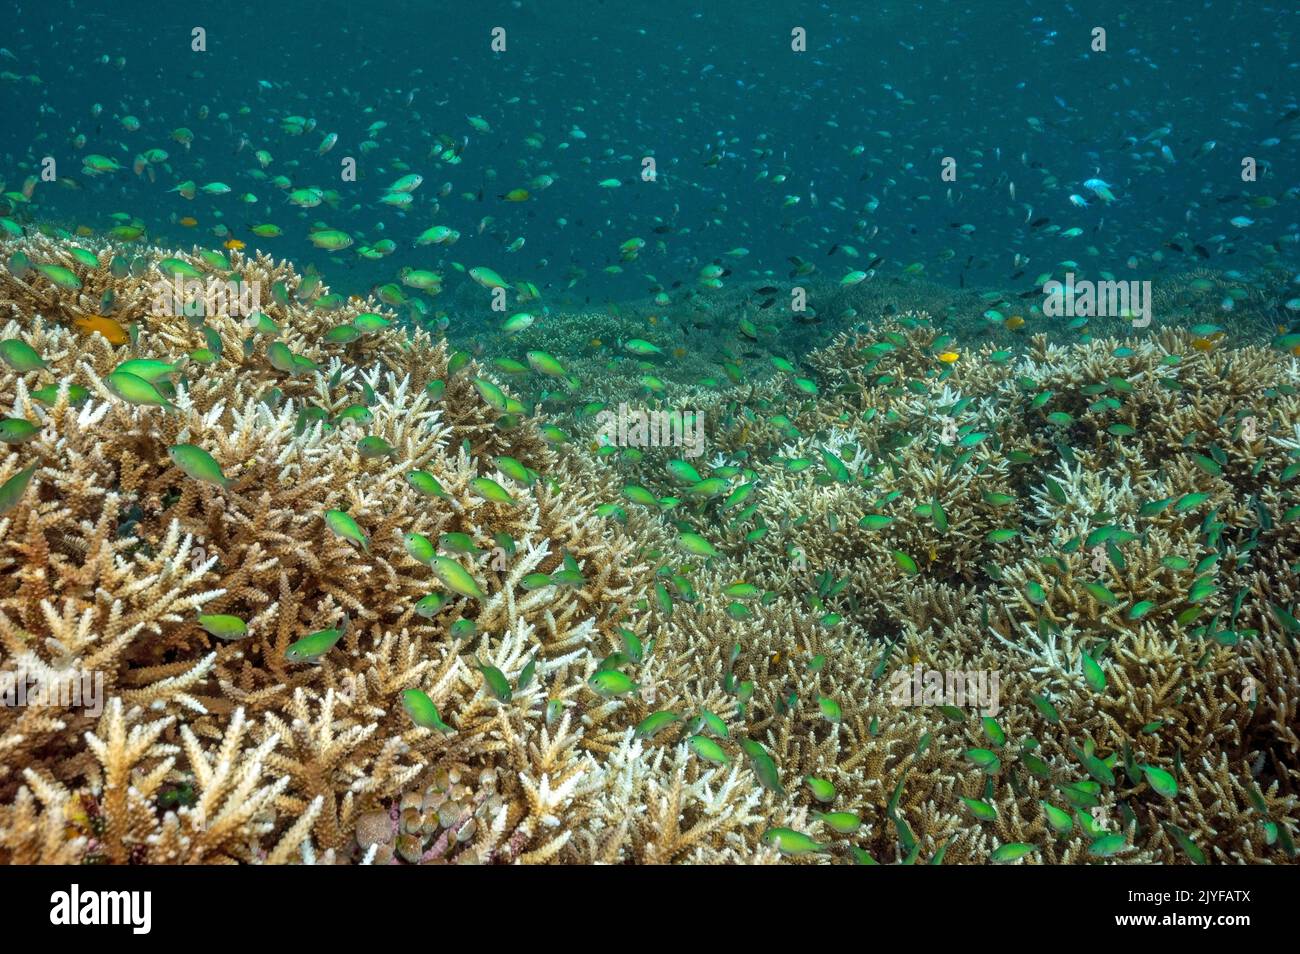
(358, 596)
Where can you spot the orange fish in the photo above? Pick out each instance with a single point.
(98, 324)
(233, 244)
(1203, 344)
(680, 352)
(1014, 322)
(85, 231)
(189, 221)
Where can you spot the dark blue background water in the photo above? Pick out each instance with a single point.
(685, 82)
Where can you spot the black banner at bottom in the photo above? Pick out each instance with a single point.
(137, 905)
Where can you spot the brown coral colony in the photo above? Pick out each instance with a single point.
(347, 595)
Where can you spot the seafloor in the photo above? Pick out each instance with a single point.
(530, 644)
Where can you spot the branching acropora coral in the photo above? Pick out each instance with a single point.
(351, 600)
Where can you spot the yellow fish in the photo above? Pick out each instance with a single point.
(1014, 322)
(189, 221)
(1203, 344)
(98, 324)
(516, 195)
(948, 357)
(233, 244)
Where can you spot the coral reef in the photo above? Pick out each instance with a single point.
(466, 632)
(1108, 526)
(114, 551)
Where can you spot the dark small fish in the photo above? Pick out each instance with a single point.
(1200, 250)
(767, 304)
(767, 290)
(1039, 223)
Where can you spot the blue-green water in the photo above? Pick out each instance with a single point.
(765, 157)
